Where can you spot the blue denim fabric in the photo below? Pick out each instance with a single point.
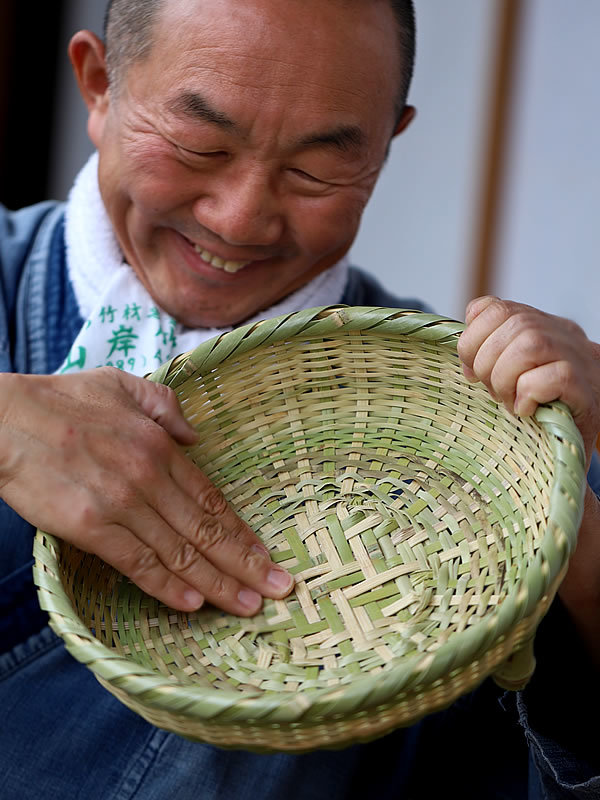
(87, 745)
(20, 236)
(63, 320)
(557, 773)
(559, 710)
(70, 739)
(43, 321)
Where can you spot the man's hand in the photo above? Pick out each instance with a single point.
(526, 357)
(93, 459)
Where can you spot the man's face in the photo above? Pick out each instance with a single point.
(237, 158)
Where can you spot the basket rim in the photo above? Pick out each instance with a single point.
(403, 675)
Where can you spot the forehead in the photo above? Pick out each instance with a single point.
(311, 54)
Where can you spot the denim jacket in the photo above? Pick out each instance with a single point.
(66, 737)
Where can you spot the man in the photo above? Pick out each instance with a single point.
(238, 143)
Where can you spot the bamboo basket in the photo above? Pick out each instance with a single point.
(427, 529)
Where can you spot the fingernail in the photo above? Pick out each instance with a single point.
(280, 580)
(250, 599)
(193, 599)
(261, 550)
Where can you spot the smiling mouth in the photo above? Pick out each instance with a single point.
(216, 261)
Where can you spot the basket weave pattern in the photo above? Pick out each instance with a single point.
(427, 530)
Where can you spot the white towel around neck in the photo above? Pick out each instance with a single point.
(124, 326)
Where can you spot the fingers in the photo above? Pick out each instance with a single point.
(180, 549)
(141, 563)
(506, 354)
(547, 383)
(200, 538)
(503, 341)
(158, 402)
(169, 506)
(526, 357)
(479, 327)
(172, 569)
(205, 519)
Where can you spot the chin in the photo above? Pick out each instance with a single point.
(209, 319)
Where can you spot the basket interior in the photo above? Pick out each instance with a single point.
(407, 504)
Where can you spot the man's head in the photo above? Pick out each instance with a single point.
(128, 38)
(240, 142)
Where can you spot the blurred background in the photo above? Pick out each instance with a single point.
(494, 188)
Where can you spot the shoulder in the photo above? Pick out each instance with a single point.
(363, 289)
(17, 228)
(26, 238)
(18, 231)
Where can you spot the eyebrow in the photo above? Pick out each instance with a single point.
(193, 105)
(345, 139)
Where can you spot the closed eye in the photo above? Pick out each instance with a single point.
(307, 176)
(208, 154)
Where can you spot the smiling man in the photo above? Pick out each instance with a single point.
(234, 163)
(237, 144)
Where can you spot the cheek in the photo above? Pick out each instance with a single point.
(327, 223)
(155, 181)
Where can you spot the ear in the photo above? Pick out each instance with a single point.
(87, 55)
(409, 113)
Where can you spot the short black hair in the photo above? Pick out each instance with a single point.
(128, 34)
(128, 38)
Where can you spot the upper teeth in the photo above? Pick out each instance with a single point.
(215, 261)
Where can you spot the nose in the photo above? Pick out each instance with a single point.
(242, 208)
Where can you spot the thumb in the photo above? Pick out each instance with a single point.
(160, 403)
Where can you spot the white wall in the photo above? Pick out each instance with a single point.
(551, 238)
(418, 232)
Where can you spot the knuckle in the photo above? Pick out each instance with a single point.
(141, 471)
(112, 373)
(127, 494)
(502, 310)
(254, 562)
(565, 372)
(155, 438)
(217, 589)
(167, 399)
(209, 534)
(83, 513)
(572, 328)
(152, 450)
(122, 485)
(184, 558)
(520, 322)
(141, 562)
(213, 501)
(166, 395)
(535, 341)
(165, 391)
(239, 530)
(477, 305)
